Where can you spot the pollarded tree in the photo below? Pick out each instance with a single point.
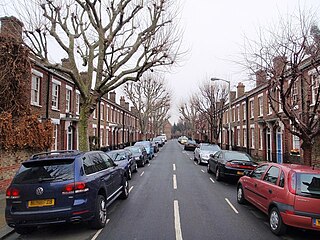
(288, 58)
(189, 115)
(105, 43)
(209, 103)
(151, 99)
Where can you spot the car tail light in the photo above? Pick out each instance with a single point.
(12, 193)
(235, 165)
(77, 187)
(292, 182)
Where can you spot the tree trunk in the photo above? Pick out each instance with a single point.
(307, 153)
(83, 127)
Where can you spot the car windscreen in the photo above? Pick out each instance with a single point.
(236, 156)
(308, 184)
(49, 171)
(212, 148)
(135, 150)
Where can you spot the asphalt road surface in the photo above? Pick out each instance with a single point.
(175, 199)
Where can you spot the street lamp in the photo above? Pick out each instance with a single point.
(219, 79)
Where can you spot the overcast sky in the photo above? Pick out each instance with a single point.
(214, 32)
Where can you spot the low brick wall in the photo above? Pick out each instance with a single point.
(9, 164)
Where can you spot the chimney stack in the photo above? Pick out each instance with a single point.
(240, 89)
(122, 101)
(112, 96)
(12, 27)
(232, 95)
(261, 78)
(127, 105)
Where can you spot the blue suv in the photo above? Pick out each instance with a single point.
(64, 186)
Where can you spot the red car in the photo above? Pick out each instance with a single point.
(288, 193)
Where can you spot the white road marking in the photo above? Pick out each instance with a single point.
(99, 231)
(212, 180)
(202, 170)
(177, 225)
(191, 158)
(130, 189)
(174, 167)
(141, 174)
(195, 163)
(174, 181)
(230, 204)
(148, 164)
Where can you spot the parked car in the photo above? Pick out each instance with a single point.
(182, 139)
(64, 186)
(163, 136)
(148, 146)
(190, 145)
(226, 163)
(155, 146)
(139, 153)
(159, 140)
(203, 151)
(289, 194)
(124, 159)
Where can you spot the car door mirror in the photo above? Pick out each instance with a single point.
(247, 173)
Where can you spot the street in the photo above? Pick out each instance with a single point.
(173, 198)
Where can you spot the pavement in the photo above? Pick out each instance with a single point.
(5, 230)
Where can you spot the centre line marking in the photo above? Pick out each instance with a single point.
(141, 174)
(174, 167)
(230, 204)
(195, 163)
(202, 170)
(148, 164)
(174, 181)
(212, 180)
(130, 189)
(177, 225)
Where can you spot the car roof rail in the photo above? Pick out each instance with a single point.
(52, 153)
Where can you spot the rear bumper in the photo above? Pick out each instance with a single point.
(299, 221)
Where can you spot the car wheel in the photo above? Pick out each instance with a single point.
(24, 230)
(208, 168)
(100, 217)
(129, 174)
(125, 189)
(218, 177)
(240, 195)
(275, 221)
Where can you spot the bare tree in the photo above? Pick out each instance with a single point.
(288, 58)
(106, 43)
(189, 115)
(210, 103)
(151, 99)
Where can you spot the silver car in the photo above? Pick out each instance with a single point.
(203, 151)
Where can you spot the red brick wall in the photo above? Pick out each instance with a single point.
(9, 164)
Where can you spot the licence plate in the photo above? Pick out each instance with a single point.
(41, 203)
(240, 173)
(316, 222)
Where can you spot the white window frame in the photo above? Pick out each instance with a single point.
(244, 130)
(77, 102)
(252, 135)
(251, 104)
(244, 111)
(238, 137)
(260, 138)
(269, 107)
(315, 87)
(102, 111)
(238, 112)
(55, 93)
(68, 98)
(36, 87)
(260, 102)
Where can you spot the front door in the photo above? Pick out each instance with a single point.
(70, 138)
(279, 145)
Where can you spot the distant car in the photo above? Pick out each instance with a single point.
(288, 193)
(190, 145)
(203, 151)
(183, 139)
(163, 136)
(159, 140)
(139, 153)
(148, 146)
(226, 163)
(124, 159)
(64, 186)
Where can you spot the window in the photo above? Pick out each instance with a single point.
(244, 111)
(244, 137)
(251, 109)
(102, 111)
(35, 90)
(260, 138)
(93, 163)
(95, 113)
(281, 181)
(238, 133)
(260, 100)
(272, 175)
(68, 100)
(252, 137)
(77, 102)
(258, 172)
(55, 137)
(238, 113)
(269, 107)
(55, 94)
(107, 160)
(233, 114)
(315, 87)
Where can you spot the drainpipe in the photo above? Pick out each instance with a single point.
(47, 97)
(99, 122)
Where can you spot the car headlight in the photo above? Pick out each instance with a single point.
(205, 156)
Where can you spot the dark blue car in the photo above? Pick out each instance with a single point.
(64, 186)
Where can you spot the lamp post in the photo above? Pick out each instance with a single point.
(219, 79)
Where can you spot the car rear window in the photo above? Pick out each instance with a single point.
(237, 156)
(49, 171)
(308, 184)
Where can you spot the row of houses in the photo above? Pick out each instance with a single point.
(255, 127)
(54, 96)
